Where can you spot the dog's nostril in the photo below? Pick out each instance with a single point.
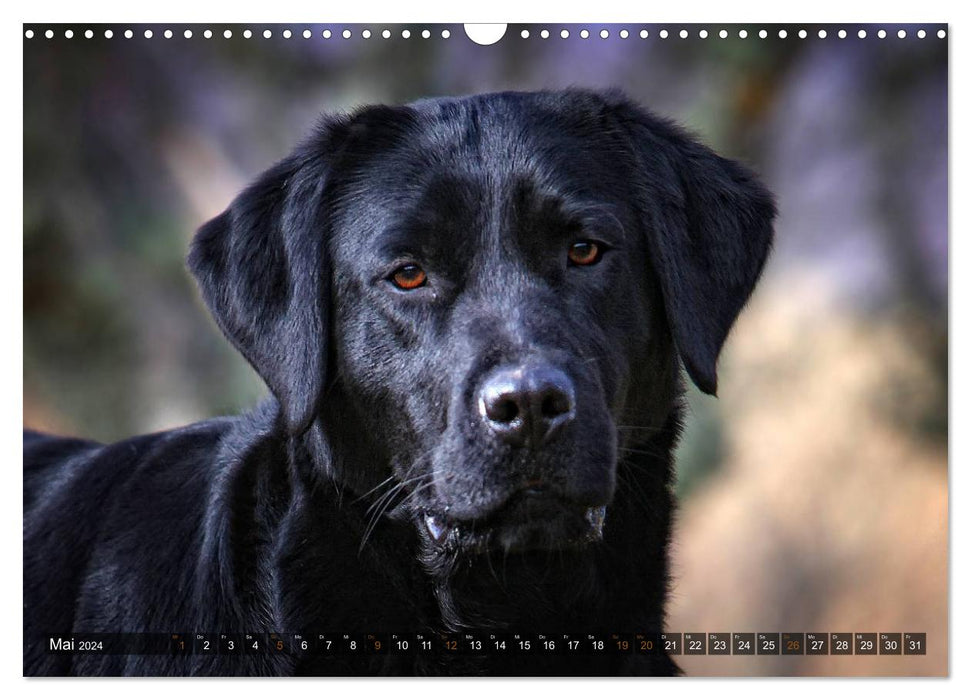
(503, 410)
(555, 403)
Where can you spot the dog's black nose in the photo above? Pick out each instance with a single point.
(527, 405)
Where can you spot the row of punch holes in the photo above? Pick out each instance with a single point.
(524, 34)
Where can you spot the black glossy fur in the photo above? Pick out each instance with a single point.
(312, 512)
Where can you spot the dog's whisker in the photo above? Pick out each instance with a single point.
(372, 490)
(641, 451)
(383, 505)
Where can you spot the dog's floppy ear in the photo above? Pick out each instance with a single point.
(262, 271)
(709, 223)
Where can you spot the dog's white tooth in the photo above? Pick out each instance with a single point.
(595, 516)
(436, 528)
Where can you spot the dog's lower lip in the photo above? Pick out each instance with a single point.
(439, 529)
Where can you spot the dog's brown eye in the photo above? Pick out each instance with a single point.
(585, 253)
(409, 277)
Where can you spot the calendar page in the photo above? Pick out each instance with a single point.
(505, 350)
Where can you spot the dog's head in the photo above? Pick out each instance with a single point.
(480, 294)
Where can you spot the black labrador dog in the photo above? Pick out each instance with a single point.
(472, 315)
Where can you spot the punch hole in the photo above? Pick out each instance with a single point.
(248, 34)
(545, 34)
(901, 34)
(346, 33)
(941, 34)
(386, 34)
(803, 33)
(446, 34)
(821, 34)
(644, 34)
(306, 34)
(683, 33)
(29, 34)
(207, 34)
(326, 34)
(663, 34)
(524, 34)
(882, 34)
(763, 34)
(366, 33)
(406, 34)
(68, 34)
(565, 34)
(861, 33)
(783, 33)
(584, 34)
(841, 33)
(921, 34)
(287, 34)
(483, 34)
(89, 34)
(109, 33)
(227, 34)
(743, 34)
(129, 33)
(624, 33)
(703, 34)
(425, 34)
(148, 34)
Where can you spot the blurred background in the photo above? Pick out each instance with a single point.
(813, 491)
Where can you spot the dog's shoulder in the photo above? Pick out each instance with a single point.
(135, 527)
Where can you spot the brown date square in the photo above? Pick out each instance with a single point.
(865, 643)
(767, 643)
(841, 643)
(915, 643)
(793, 643)
(671, 642)
(743, 643)
(817, 643)
(719, 643)
(891, 643)
(694, 643)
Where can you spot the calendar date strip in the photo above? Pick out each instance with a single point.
(492, 643)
